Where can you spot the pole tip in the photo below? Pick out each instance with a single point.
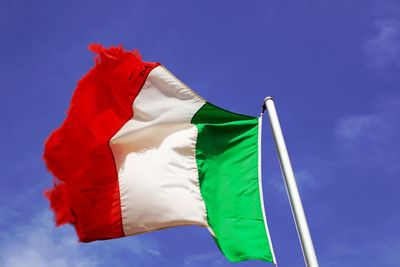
(268, 98)
(264, 106)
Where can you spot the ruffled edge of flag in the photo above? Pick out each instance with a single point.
(86, 189)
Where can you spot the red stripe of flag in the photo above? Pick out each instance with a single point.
(86, 193)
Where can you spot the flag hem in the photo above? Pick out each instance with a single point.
(261, 190)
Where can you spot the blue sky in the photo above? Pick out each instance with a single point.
(332, 66)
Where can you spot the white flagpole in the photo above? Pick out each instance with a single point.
(303, 232)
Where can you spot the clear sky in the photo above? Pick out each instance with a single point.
(332, 66)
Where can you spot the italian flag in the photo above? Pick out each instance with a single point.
(140, 151)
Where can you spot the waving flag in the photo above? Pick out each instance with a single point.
(140, 151)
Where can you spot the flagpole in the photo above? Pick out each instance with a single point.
(303, 231)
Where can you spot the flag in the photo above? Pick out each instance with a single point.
(140, 151)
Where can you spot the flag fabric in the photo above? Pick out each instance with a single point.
(140, 151)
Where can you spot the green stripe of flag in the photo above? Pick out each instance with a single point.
(227, 159)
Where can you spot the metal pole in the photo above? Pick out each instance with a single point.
(303, 232)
